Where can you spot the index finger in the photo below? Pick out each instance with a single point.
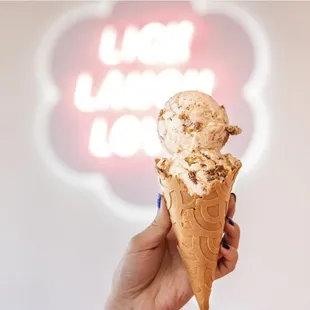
(231, 205)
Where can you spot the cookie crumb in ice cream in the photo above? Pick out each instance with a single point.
(207, 156)
(163, 166)
(189, 160)
(161, 112)
(192, 176)
(198, 126)
(221, 172)
(233, 130)
(183, 116)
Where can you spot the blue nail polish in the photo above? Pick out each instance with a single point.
(230, 221)
(225, 246)
(158, 201)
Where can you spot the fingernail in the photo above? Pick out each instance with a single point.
(225, 246)
(234, 195)
(230, 221)
(158, 201)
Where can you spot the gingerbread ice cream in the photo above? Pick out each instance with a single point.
(194, 122)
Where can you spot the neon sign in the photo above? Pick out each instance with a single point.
(104, 72)
(154, 44)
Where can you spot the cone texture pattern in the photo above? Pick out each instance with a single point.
(198, 223)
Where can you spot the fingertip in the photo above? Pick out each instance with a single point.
(231, 205)
(225, 246)
(230, 221)
(163, 214)
(159, 201)
(229, 252)
(232, 235)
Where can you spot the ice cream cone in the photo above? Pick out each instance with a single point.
(198, 223)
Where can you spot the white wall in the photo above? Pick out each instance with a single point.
(56, 251)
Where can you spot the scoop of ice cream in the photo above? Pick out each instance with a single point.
(194, 121)
(198, 171)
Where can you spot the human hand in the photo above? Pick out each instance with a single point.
(151, 274)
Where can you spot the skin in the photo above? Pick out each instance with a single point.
(151, 274)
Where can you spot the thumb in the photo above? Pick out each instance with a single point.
(155, 233)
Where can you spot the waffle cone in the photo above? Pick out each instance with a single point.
(198, 223)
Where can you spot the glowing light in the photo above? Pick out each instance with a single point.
(154, 43)
(124, 136)
(98, 145)
(109, 94)
(138, 91)
(82, 95)
(127, 136)
(107, 52)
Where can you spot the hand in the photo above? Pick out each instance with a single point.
(151, 274)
